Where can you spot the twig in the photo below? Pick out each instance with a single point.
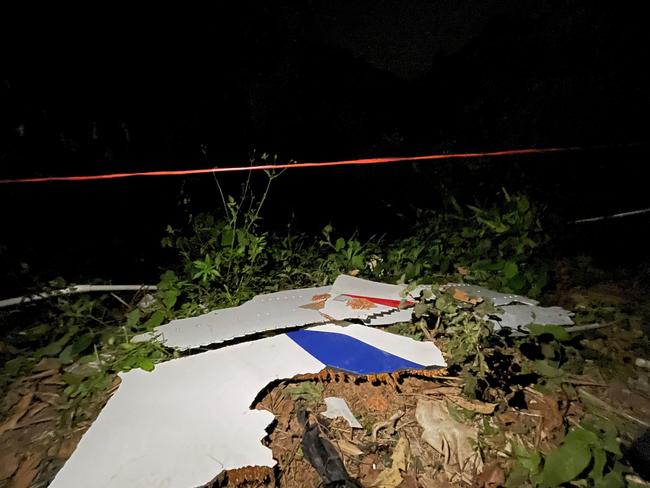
(34, 421)
(533, 391)
(607, 406)
(581, 328)
(44, 374)
(37, 409)
(425, 331)
(442, 390)
(437, 326)
(120, 300)
(580, 382)
(632, 478)
(529, 414)
(410, 422)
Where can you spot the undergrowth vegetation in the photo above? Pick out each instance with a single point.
(228, 256)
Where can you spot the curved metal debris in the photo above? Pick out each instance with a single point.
(191, 418)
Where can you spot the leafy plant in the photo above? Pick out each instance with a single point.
(495, 246)
(224, 256)
(87, 338)
(588, 456)
(462, 325)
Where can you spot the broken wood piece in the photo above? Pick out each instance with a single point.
(44, 374)
(36, 409)
(477, 406)
(425, 330)
(442, 390)
(582, 328)
(603, 404)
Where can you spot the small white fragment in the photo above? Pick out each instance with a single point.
(337, 407)
(642, 363)
(147, 302)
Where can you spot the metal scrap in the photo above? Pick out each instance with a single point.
(337, 407)
(517, 317)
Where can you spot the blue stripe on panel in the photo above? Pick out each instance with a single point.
(349, 354)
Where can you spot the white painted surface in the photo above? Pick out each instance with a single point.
(273, 311)
(183, 423)
(337, 407)
(186, 421)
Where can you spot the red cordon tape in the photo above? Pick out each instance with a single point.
(111, 176)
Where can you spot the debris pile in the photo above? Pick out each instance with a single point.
(199, 407)
(302, 388)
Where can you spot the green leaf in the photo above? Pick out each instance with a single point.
(227, 237)
(613, 479)
(510, 270)
(421, 309)
(567, 462)
(460, 414)
(530, 460)
(73, 350)
(155, 320)
(37, 331)
(517, 477)
(51, 349)
(549, 350)
(483, 246)
(445, 303)
(71, 379)
(582, 436)
(146, 364)
(309, 391)
(357, 262)
(340, 244)
(544, 368)
(517, 283)
(13, 366)
(133, 317)
(610, 444)
(523, 204)
(600, 459)
(170, 296)
(558, 332)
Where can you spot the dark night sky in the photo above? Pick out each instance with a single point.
(119, 90)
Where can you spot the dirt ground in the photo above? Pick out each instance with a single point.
(41, 428)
